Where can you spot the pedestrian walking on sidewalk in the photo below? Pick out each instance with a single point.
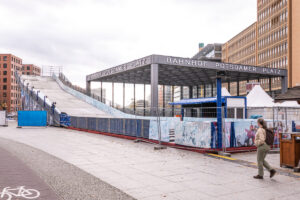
(262, 150)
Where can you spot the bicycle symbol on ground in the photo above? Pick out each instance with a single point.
(9, 193)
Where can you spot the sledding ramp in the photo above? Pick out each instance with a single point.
(65, 101)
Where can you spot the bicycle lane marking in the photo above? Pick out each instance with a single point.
(18, 181)
(8, 193)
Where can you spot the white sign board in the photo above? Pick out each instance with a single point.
(235, 102)
(2, 118)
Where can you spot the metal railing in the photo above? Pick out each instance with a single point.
(32, 100)
(68, 83)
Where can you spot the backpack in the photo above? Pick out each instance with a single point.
(269, 136)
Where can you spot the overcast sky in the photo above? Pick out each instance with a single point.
(85, 36)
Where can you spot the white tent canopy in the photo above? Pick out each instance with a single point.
(225, 93)
(289, 104)
(257, 97)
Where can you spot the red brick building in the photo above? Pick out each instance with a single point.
(30, 69)
(10, 95)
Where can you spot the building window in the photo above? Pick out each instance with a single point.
(4, 65)
(28, 67)
(4, 87)
(4, 80)
(4, 72)
(4, 58)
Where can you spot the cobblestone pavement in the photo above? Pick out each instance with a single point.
(14, 174)
(144, 173)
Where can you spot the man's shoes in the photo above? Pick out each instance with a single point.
(272, 173)
(258, 177)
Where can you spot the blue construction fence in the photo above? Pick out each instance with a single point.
(129, 127)
(201, 134)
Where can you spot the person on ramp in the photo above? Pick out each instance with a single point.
(264, 138)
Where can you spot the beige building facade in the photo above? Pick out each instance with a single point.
(270, 42)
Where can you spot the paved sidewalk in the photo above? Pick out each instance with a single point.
(143, 173)
(66, 180)
(273, 159)
(14, 173)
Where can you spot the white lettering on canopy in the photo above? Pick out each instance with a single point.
(186, 62)
(121, 68)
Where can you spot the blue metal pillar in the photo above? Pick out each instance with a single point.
(219, 112)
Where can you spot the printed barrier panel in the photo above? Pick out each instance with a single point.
(228, 134)
(2, 118)
(32, 118)
(296, 126)
(245, 133)
(194, 134)
(166, 125)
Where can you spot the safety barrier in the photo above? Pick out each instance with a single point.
(65, 120)
(3, 121)
(199, 134)
(129, 127)
(35, 100)
(193, 132)
(32, 118)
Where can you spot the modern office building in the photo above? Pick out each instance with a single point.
(30, 69)
(272, 42)
(10, 95)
